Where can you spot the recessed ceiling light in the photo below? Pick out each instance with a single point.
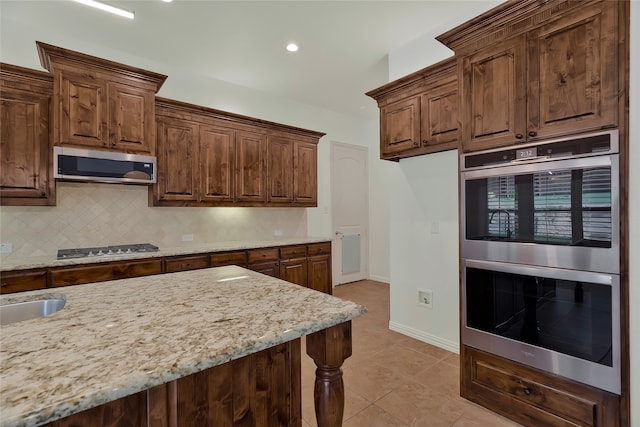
(292, 47)
(107, 8)
(167, 1)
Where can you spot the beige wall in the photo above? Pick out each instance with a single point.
(89, 214)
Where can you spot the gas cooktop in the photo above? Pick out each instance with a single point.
(106, 251)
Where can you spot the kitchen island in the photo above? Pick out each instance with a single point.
(142, 341)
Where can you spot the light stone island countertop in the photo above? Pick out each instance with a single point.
(116, 338)
(9, 263)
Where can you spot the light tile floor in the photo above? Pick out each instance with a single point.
(394, 380)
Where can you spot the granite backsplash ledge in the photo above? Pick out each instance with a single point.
(92, 214)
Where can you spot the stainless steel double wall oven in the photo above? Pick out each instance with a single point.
(541, 256)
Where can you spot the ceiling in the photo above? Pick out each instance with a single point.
(343, 44)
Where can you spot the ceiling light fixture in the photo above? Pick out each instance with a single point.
(167, 1)
(292, 47)
(107, 8)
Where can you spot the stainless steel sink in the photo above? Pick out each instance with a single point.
(19, 311)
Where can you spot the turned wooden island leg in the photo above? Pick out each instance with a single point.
(329, 348)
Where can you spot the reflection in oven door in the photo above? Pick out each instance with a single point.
(562, 321)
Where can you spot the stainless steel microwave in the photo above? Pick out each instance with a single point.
(103, 166)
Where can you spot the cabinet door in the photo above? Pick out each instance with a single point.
(440, 116)
(131, 114)
(294, 271)
(185, 263)
(82, 118)
(494, 92)
(319, 273)
(19, 281)
(250, 166)
(305, 174)
(573, 69)
(280, 169)
(400, 126)
(177, 160)
(216, 164)
(24, 144)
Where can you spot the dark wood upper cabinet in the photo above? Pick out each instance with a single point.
(217, 164)
(419, 112)
(521, 82)
(177, 160)
(280, 169)
(251, 151)
(26, 177)
(305, 174)
(232, 160)
(101, 104)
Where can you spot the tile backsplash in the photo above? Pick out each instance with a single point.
(89, 214)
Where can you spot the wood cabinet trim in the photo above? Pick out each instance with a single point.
(53, 57)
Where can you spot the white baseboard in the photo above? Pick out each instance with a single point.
(380, 279)
(451, 346)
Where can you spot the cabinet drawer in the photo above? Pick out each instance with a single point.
(548, 399)
(533, 397)
(229, 258)
(270, 268)
(260, 255)
(186, 263)
(288, 252)
(323, 248)
(100, 273)
(22, 281)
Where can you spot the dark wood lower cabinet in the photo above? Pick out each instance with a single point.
(19, 281)
(79, 274)
(305, 265)
(532, 397)
(259, 390)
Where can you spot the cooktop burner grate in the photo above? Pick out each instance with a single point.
(106, 251)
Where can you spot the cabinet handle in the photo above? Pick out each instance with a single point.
(532, 133)
(4, 285)
(424, 142)
(527, 391)
(416, 143)
(519, 135)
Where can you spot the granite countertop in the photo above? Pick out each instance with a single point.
(116, 338)
(8, 263)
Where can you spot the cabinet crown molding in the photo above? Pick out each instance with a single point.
(52, 57)
(505, 20)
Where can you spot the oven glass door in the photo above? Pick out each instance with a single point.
(529, 314)
(568, 203)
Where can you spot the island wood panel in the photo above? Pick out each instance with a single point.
(99, 273)
(261, 389)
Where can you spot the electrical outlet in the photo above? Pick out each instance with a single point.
(425, 298)
(187, 237)
(6, 248)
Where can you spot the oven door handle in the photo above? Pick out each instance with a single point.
(528, 159)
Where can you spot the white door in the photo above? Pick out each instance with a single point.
(350, 206)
